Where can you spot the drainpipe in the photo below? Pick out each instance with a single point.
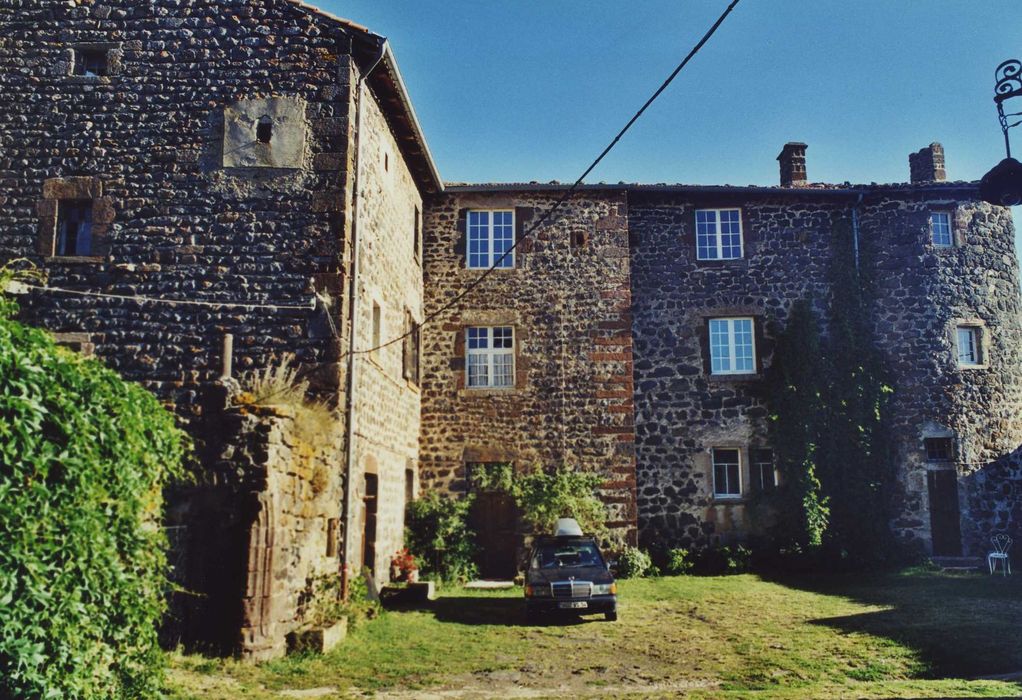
(353, 294)
(855, 230)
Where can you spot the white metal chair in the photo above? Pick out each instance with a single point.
(1002, 543)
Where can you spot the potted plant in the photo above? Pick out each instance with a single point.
(403, 567)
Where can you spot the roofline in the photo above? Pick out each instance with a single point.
(434, 182)
(842, 191)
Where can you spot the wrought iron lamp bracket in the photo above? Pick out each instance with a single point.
(1009, 85)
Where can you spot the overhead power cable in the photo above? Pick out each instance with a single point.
(470, 287)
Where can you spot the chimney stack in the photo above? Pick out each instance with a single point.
(927, 164)
(793, 165)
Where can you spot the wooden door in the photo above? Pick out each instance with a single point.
(495, 519)
(369, 508)
(945, 524)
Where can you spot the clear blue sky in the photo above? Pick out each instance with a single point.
(534, 89)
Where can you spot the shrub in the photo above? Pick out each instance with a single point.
(544, 496)
(724, 561)
(679, 561)
(84, 457)
(438, 535)
(634, 563)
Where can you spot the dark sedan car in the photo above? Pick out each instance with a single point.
(567, 573)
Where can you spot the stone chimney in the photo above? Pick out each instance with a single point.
(793, 165)
(927, 164)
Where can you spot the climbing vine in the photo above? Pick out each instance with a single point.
(829, 402)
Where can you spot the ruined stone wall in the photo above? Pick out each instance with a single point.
(146, 145)
(386, 406)
(267, 533)
(681, 410)
(924, 292)
(568, 300)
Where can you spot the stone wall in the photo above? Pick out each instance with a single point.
(386, 405)
(568, 299)
(682, 411)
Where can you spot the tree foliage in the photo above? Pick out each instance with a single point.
(829, 399)
(438, 534)
(544, 496)
(84, 456)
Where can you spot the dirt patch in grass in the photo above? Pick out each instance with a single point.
(914, 634)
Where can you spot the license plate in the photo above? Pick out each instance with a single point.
(573, 606)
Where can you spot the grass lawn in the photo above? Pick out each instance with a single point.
(911, 634)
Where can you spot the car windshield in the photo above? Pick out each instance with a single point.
(556, 556)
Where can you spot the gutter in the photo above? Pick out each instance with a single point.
(353, 298)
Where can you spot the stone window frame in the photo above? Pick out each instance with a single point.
(721, 497)
(982, 336)
(510, 262)
(953, 237)
(717, 233)
(76, 189)
(459, 364)
(114, 61)
(411, 350)
(81, 343)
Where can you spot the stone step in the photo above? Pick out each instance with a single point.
(959, 563)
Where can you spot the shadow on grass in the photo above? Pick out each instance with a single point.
(480, 610)
(961, 626)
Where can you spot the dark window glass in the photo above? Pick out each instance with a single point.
(764, 475)
(74, 228)
(727, 473)
(939, 449)
(90, 62)
(411, 349)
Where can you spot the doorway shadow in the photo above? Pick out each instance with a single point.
(960, 626)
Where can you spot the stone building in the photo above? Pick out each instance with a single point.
(234, 152)
(259, 163)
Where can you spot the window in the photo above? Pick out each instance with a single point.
(939, 449)
(411, 349)
(940, 229)
(718, 234)
(74, 228)
(732, 346)
(377, 327)
(491, 357)
(969, 350)
(92, 63)
(490, 235)
(409, 485)
(264, 130)
(727, 470)
(764, 473)
(417, 240)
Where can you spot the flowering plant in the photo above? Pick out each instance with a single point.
(404, 564)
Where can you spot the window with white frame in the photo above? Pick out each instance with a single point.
(969, 348)
(718, 234)
(763, 472)
(940, 229)
(490, 357)
(732, 346)
(490, 235)
(727, 473)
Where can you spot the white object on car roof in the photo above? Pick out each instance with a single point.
(567, 527)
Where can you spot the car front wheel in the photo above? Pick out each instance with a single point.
(611, 616)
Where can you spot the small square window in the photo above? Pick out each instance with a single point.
(939, 449)
(718, 234)
(727, 470)
(940, 229)
(91, 63)
(764, 473)
(732, 346)
(74, 228)
(969, 348)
